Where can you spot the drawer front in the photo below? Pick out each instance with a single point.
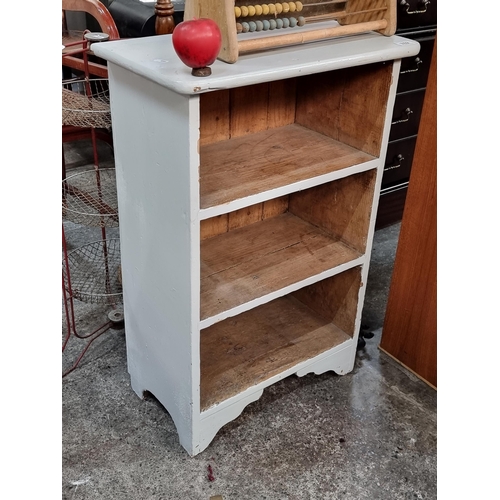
(414, 70)
(398, 161)
(406, 115)
(416, 13)
(391, 206)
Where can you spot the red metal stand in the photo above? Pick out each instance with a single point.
(91, 272)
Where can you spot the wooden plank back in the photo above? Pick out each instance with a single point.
(335, 298)
(341, 208)
(346, 112)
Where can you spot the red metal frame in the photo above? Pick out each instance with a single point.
(75, 133)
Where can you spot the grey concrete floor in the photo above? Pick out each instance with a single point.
(370, 434)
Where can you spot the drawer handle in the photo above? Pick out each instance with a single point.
(404, 3)
(418, 62)
(406, 112)
(396, 162)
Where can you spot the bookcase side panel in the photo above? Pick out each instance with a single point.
(391, 75)
(155, 138)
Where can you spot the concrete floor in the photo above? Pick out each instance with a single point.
(370, 434)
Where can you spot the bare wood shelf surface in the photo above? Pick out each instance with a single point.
(255, 260)
(248, 165)
(241, 352)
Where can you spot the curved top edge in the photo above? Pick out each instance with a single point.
(155, 59)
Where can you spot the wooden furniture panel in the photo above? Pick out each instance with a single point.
(410, 327)
(330, 104)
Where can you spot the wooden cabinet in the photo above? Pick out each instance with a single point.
(410, 327)
(247, 205)
(417, 20)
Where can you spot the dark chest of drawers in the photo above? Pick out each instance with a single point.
(417, 19)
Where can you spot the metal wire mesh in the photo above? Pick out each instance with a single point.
(85, 103)
(89, 198)
(94, 272)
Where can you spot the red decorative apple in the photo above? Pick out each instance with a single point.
(197, 42)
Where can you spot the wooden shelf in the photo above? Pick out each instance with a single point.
(241, 352)
(244, 166)
(255, 260)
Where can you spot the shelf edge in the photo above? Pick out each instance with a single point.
(264, 299)
(209, 212)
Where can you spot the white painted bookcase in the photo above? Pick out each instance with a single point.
(247, 205)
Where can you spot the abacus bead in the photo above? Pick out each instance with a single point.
(299, 6)
(285, 7)
(272, 8)
(272, 24)
(279, 23)
(245, 26)
(258, 10)
(251, 10)
(292, 6)
(239, 28)
(259, 25)
(265, 9)
(286, 22)
(266, 24)
(252, 26)
(237, 11)
(279, 8)
(293, 22)
(244, 11)
(301, 21)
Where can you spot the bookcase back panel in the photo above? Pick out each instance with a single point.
(347, 105)
(336, 104)
(226, 114)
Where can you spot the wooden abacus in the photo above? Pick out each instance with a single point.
(248, 26)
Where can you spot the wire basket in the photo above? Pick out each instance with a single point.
(95, 272)
(85, 103)
(89, 198)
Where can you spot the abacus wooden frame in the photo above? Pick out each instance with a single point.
(356, 16)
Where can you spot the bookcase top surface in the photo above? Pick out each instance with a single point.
(155, 59)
